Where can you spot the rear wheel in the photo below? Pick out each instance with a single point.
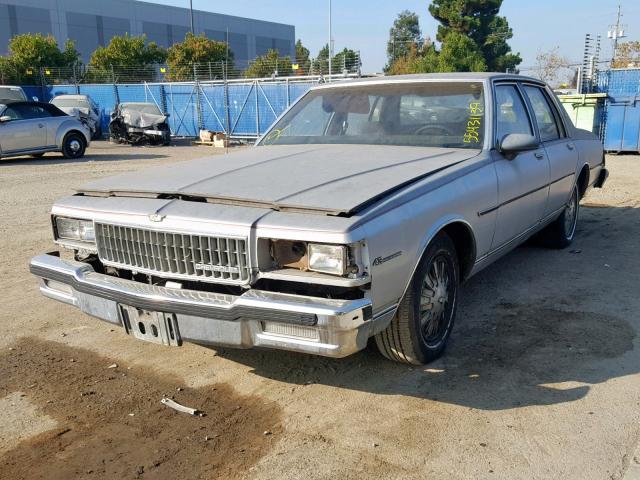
(419, 331)
(562, 231)
(73, 145)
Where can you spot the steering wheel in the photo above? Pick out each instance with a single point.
(433, 130)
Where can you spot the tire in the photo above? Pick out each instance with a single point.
(73, 145)
(419, 335)
(37, 155)
(562, 231)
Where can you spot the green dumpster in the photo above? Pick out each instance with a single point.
(585, 110)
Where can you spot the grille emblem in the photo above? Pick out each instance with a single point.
(156, 217)
(216, 268)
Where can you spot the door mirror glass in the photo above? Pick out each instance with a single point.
(5, 118)
(514, 143)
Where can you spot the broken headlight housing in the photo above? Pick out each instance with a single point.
(331, 259)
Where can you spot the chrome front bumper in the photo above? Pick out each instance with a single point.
(332, 328)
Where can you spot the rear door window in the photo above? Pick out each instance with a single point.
(545, 117)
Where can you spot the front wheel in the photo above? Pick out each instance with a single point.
(419, 331)
(73, 145)
(562, 231)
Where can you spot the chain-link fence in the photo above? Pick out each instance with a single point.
(342, 65)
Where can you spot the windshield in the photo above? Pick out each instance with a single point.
(12, 93)
(429, 114)
(71, 103)
(151, 108)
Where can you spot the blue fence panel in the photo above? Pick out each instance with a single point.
(212, 102)
(182, 106)
(272, 101)
(243, 111)
(624, 82)
(253, 106)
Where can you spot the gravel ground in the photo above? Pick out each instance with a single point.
(541, 378)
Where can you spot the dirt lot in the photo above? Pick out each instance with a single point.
(541, 379)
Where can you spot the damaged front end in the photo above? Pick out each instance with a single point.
(139, 124)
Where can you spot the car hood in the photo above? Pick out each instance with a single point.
(135, 118)
(332, 179)
(76, 111)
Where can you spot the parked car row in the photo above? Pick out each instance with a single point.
(69, 122)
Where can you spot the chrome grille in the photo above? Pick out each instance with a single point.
(178, 255)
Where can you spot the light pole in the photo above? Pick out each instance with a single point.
(330, 40)
(191, 14)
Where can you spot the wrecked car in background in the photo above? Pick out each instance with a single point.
(9, 94)
(83, 108)
(139, 123)
(356, 216)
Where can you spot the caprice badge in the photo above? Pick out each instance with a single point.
(216, 268)
(156, 217)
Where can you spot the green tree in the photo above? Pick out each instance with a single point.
(29, 53)
(303, 59)
(196, 49)
(269, 65)
(346, 59)
(477, 20)
(404, 36)
(127, 58)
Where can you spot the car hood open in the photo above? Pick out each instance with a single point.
(330, 179)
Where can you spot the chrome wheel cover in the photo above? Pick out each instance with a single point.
(571, 215)
(75, 146)
(435, 297)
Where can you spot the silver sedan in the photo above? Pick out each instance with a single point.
(34, 128)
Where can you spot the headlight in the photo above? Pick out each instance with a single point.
(327, 258)
(75, 229)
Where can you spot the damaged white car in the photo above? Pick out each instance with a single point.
(139, 123)
(83, 108)
(356, 217)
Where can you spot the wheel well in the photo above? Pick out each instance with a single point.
(77, 132)
(465, 243)
(583, 180)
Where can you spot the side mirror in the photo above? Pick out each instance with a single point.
(514, 143)
(5, 118)
(35, 99)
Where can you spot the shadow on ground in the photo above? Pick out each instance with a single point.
(91, 156)
(505, 354)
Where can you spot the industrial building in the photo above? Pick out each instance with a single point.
(92, 23)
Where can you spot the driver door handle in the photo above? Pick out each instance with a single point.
(40, 125)
(539, 155)
(570, 146)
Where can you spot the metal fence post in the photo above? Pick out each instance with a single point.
(198, 105)
(255, 87)
(163, 98)
(288, 92)
(75, 78)
(227, 111)
(43, 85)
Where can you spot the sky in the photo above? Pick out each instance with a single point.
(363, 25)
